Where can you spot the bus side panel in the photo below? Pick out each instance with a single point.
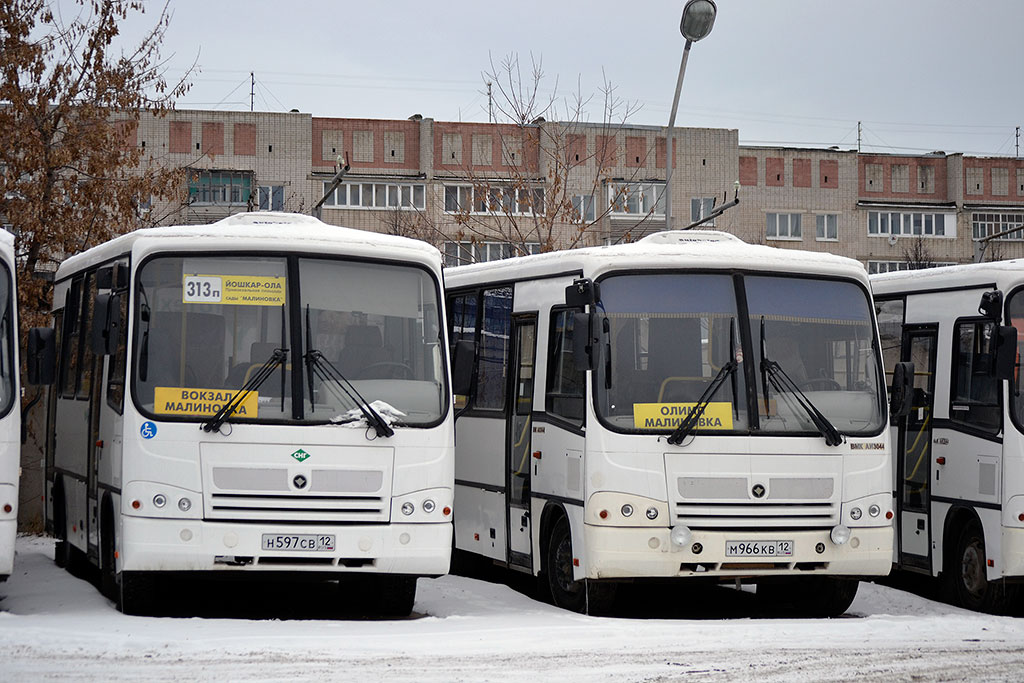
(480, 522)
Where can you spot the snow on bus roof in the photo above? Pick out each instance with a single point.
(285, 229)
(672, 248)
(963, 274)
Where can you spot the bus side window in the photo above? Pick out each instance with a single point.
(118, 362)
(566, 384)
(68, 373)
(890, 331)
(975, 395)
(494, 351)
(462, 327)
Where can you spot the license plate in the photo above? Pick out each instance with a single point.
(759, 548)
(314, 542)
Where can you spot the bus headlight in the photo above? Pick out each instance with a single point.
(184, 504)
(408, 508)
(874, 510)
(855, 514)
(626, 510)
(840, 534)
(159, 500)
(429, 506)
(652, 513)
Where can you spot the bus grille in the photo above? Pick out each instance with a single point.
(730, 502)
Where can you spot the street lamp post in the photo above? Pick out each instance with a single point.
(698, 19)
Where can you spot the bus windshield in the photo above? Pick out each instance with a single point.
(667, 337)
(207, 325)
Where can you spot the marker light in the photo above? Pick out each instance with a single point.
(888, 514)
(1020, 517)
(159, 500)
(429, 505)
(840, 534)
(652, 512)
(855, 514)
(8, 508)
(627, 510)
(874, 510)
(408, 508)
(446, 511)
(681, 536)
(136, 504)
(184, 504)
(603, 514)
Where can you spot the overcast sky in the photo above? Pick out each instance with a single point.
(920, 75)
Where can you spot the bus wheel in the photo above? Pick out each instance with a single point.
(395, 595)
(585, 597)
(138, 593)
(967, 583)
(815, 596)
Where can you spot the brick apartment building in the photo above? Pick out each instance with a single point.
(481, 191)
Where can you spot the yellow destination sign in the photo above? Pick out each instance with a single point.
(669, 415)
(203, 402)
(236, 290)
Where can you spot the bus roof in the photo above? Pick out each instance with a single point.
(1001, 274)
(269, 230)
(673, 249)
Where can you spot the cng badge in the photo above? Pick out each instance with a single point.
(300, 455)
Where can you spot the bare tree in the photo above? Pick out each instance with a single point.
(72, 173)
(917, 255)
(554, 187)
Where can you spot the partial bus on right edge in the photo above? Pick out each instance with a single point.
(959, 454)
(685, 406)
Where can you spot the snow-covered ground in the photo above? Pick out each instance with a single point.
(53, 625)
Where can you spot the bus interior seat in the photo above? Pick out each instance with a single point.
(203, 350)
(364, 346)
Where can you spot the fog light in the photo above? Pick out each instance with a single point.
(681, 536)
(429, 505)
(652, 512)
(627, 510)
(874, 510)
(840, 534)
(184, 504)
(819, 548)
(159, 500)
(855, 514)
(408, 508)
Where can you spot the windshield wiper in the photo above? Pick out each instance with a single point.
(276, 359)
(772, 372)
(691, 420)
(331, 377)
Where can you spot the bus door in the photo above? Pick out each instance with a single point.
(920, 343)
(524, 329)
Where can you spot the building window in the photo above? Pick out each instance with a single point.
(497, 199)
(219, 187)
(904, 223)
(783, 226)
(985, 224)
(377, 196)
(636, 199)
(271, 197)
(462, 253)
(701, 207)
(827, 225)
(876, 267)
(583, 205)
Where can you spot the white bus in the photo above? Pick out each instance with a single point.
(959, 457)
(266, 394)
(685, 406)
(10, 413)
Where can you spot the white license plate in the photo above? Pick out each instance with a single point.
(759, 548)
(314, 542)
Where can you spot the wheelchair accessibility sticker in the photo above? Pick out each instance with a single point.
(148, 430)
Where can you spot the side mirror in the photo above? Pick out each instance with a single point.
(42, 356)
(901, 396)
(462, 367)
(991, 305)
(106, 323)
(582, 292)
(582, 347)
(1006, 352)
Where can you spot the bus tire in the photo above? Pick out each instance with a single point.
(396, 595)
(966, 581)
(814, 597)
(108, 561)
(138, 593)
(584, 596)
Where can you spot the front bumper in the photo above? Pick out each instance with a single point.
(614, 552)
(149, 544)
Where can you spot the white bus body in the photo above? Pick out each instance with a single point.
(10, 413)
(959, 456)
(143, 483)
(568, 473)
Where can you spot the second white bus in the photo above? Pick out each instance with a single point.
(685, 406)
(10, 412)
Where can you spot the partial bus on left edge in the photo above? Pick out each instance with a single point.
(10, 416)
